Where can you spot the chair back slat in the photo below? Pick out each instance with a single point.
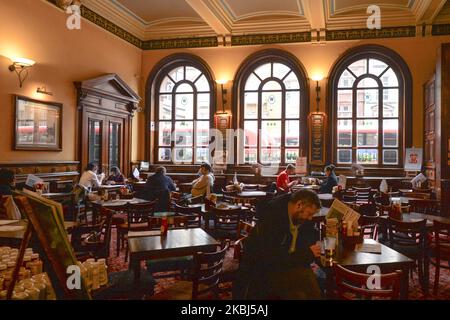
(351, 285)
(207, 270)
(140, 213)
(425, 206)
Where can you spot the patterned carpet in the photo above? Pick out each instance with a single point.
(117, 263)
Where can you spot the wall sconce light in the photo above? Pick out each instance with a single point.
(43, 90)
(19, 66)
(224, 93)
(317, 78)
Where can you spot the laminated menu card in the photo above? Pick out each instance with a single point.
(342, 212)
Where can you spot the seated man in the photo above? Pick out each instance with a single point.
(277, 258)
(203, 185)
(283, 182)
(158, 186)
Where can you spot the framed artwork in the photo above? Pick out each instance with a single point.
(37, 125)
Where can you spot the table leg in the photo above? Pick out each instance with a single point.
(404, 286)
(135, 266)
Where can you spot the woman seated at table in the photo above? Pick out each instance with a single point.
(158, 186)
(203, 185)
(331, 180)
(90, 179)
(116, 177)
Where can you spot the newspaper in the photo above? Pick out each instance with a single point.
(32, 180)
(342, 212)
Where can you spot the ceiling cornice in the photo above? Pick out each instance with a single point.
(165, 33)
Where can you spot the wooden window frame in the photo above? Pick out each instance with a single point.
(400, 68)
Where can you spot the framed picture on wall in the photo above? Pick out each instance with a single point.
(37, 125)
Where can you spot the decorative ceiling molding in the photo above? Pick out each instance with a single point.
(358, 34)
(270, 38)
(220, 26)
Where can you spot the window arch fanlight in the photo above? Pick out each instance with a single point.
(181, 92)
(271, 102)
(370, 94)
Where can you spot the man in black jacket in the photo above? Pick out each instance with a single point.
(158, 186)
(277, 258)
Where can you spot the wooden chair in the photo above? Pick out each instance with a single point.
(196, 200)
(138, 219)
(409, 239)
(363, 194)
(226, 223)
(193, 214)
(351, 285)
(425, 206)
(369, 226)
(230, 193)
(93, 241)
(205, 279)
(440, 247)
(244, 230)
(418, 195)
(349, 196)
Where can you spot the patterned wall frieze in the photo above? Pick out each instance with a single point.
(178, 43)
(440, 29)
(109, 26)
(359, 34)
(254, 39)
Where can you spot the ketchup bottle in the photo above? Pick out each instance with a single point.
(164, 226)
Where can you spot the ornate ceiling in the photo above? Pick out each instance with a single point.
(316, 20)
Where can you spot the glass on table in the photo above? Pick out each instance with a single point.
(330, 247)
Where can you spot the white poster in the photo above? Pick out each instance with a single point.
(413, 159)
(301, 166)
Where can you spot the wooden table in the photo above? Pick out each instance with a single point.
(326, 199)
(252, 194)
(14, 238)
(208, 215)
(177, 243)
(404, 199)
(388, 261)
(114, 205)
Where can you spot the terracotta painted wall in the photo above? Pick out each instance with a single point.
(37, 30)
(419, 54)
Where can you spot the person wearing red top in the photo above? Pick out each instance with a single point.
(283, 182)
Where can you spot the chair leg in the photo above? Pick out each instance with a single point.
(421, 275)
(118, 242)
(436, 276)
(126, 253)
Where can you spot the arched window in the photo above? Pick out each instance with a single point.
(370, 101)
(272, 103)
(184, 96)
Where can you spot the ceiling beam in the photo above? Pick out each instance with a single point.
(209, 16)
(429, 11)
(315, 13)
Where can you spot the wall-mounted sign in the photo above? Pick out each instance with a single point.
(317, 123)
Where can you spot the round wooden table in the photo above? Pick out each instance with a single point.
(252, 194)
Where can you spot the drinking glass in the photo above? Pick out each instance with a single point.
(330, 247)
